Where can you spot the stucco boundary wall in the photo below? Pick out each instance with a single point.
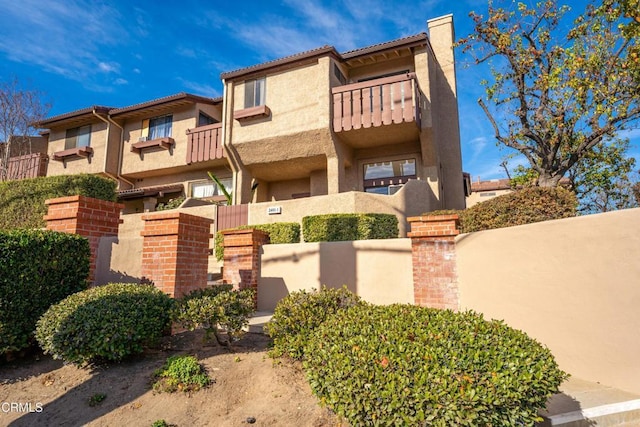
(119, 258)
(572, 284)
(412, 199)
(379, 271)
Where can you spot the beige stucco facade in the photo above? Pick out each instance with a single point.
(304, 126)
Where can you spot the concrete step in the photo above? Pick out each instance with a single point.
(258, 320)
(582, 403)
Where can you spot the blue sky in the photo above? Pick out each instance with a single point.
(122, 52)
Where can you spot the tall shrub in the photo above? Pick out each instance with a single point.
(22, 202)
(37, 268)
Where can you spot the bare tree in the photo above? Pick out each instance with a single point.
(20, 108)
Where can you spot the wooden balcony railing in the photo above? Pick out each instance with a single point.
(374, 103)
(204, 143)
(27, 166)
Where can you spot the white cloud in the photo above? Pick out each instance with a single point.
(120, 81)
(61, 37)
(108, 68)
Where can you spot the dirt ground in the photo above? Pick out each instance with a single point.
(39, 391)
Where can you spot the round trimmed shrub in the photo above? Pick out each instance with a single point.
(409, 365)
(298, 314)
(106, 323)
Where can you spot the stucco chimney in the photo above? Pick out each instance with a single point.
(442, 37)
(445, 113)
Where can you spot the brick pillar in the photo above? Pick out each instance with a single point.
(87, 217)
(175, 251)
(242, 258)
(435, 279)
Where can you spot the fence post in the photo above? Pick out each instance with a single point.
(435, 278)
(242, 258)
(87, 217)
(175, 251)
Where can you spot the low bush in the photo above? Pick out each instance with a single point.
(279, 233)
(341, 227)
(180, 373)
(37, 268)
(171, 204)
(524, 206)
(105, 323)
(216, 309)
(298, 314)
(22, 202)
(410, 365)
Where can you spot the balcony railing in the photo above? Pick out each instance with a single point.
(204, 143)
(377, 102)
(27, 166)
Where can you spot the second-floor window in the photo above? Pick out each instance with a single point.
(205, 119)
(254, 92)
(157, 127)
(78, 137)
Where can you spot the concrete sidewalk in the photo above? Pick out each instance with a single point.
(583, 403)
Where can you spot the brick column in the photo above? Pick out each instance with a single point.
(435, 279)
(175, 251)
(242, 258)
(87, 217)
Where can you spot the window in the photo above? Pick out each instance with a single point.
(339, 75)
(254, 93)
(205, 189)
(157, 127)
(379, 176)
(78, 137)
(205, 119)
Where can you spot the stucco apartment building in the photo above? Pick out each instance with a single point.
(373, 129)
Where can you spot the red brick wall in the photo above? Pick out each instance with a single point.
(435, 280)
(88, 217)
(242, 258)
(175, 251)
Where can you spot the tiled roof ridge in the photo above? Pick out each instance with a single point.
(382, 45)
(278, 61)
(160, 100)
(78, 112)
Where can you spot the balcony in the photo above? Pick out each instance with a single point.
(204, 143)
(27, 166)
(377, 103)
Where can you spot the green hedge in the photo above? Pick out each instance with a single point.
(341, 227)
(107, 322)
(524, 206)
(22, 202)
(409, 365)
(279, 233)
(300, 313)
(37, 268)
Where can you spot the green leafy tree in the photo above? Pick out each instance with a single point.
(602, 181)
(558, 94)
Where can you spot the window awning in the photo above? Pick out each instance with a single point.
(156, 191)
